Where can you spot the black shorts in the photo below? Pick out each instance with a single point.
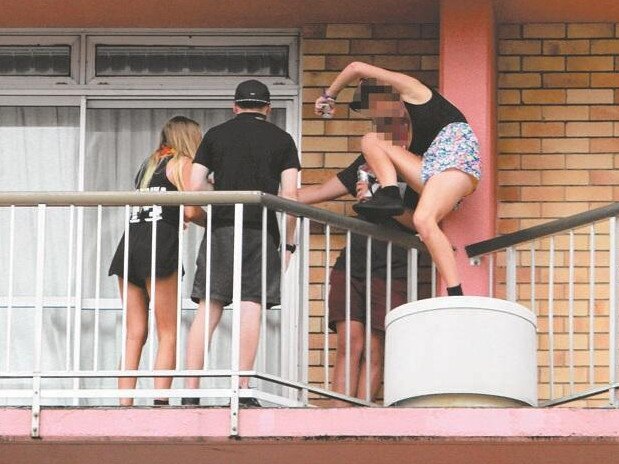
(222, 256)
(337, 299)
(140, 244)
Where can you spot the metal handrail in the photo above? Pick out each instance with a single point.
(274, 202)
(526, 235)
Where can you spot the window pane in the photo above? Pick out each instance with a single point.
(39, 152)
(120, 61)
(33, 60)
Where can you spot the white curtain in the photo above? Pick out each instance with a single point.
(39, 151)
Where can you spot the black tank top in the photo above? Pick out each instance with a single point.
(429, 118)
(158, 183)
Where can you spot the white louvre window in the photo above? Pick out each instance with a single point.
(114, 60)
(24, 60)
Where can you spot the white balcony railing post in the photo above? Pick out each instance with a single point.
(235, 352)
(38, 321)
(613, 310)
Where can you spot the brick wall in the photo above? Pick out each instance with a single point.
(558, 155)
(330, 145)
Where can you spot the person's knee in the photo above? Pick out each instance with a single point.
(369, 141)
(356, 344)
(424, 222)
(137, 335)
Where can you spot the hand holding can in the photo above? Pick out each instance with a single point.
(325, 106)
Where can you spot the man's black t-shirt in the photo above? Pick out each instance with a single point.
(247, 153)
(399, 258)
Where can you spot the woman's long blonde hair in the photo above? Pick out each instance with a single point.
(179, 138)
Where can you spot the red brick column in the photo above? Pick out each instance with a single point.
(468, 79)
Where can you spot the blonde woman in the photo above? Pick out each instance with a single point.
(166, 169)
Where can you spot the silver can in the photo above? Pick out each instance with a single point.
(326, 110)
(363, 175)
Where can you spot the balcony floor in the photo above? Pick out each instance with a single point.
(312, 435)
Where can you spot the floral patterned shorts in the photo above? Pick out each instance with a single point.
(455, 147)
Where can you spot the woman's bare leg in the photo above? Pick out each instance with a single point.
(137, 329)
(438, 198)
(165, 317)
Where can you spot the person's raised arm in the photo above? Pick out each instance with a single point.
(328, 190)
(410, 89)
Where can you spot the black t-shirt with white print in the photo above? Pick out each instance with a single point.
(399, 258)
(247, 153)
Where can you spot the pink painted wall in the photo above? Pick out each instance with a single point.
(468, 79)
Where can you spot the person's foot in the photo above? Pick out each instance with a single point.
(190, 401)
(160, 402)
(249, 403)
(385, 202)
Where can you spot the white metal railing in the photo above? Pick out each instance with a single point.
(70, 350)
(567, 272)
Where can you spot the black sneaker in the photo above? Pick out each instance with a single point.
(385, 202)
(249, 403)
(190, 401)
(158, 402)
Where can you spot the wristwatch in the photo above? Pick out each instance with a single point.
(291, 247)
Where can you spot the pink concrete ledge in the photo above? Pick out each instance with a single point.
(350, 422)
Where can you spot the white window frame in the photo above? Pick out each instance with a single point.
(72, 41)
(289, 41)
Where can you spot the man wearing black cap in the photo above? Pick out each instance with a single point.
(244, 153)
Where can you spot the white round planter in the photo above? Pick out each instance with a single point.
(461, 351)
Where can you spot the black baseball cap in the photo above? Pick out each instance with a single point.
(252, 91)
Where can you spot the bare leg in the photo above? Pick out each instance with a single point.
(137, 328)
(165, 317)
(195, 338)
(377, 351)
(357, 331)
(250, 337)
(438, 198)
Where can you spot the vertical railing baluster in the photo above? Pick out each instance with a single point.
(388, 276)
(235, 352)
(551, 342)
(368, 319)
(491, 275)
(207, 286)
(304, 304)
(326, 304)
(347, 317)
(592, 246)
(9, 307)
(263, 292)
(283, 291)
(570, 315)
(179, 284)
(533, 280)
(510, 274)
(69, 287)
(38, 320)
(95, 347)
(153, 295)
(123, 343)
(412, 275)
(612, 301)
